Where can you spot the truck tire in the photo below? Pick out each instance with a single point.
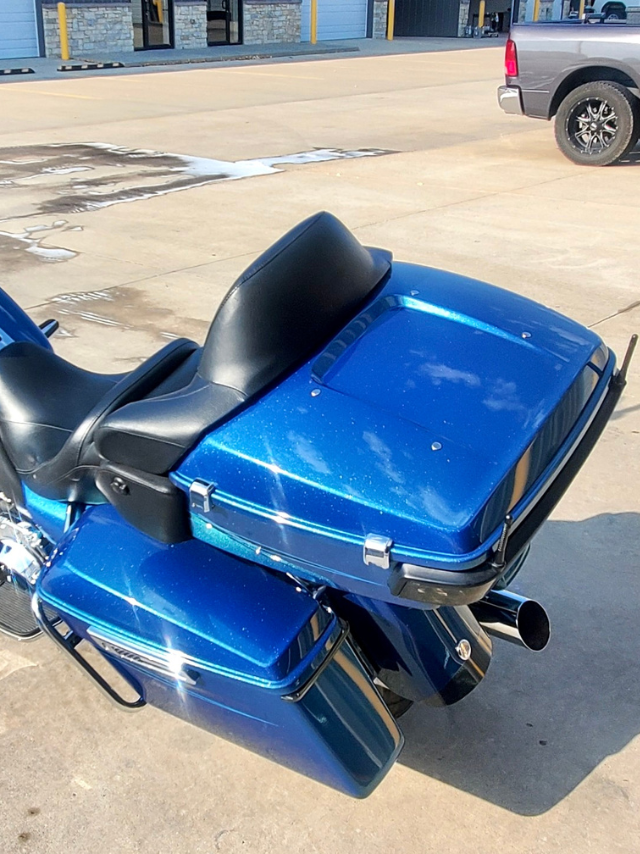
(597, 123)
(614, 11)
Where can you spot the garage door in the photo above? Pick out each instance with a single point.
(18, 31)
(337, 19)
(427, 18)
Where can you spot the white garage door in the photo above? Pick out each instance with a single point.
(18, 31)
(337, 19)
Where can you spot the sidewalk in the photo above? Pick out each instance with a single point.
(149, 60)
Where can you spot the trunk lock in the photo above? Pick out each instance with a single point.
(377, 551)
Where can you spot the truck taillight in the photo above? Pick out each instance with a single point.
(511, 59)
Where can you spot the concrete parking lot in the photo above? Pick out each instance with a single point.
(128, 249)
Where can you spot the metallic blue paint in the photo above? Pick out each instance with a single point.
(16, 325)
(48, 515)
(245, 637)
(444, 405)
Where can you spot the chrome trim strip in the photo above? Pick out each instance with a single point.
(171, 664)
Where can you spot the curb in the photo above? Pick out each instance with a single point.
(90, 66)
(239, 57)
(202, 60)
(17, 71)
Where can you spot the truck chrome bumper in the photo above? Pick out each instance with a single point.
(510, 99)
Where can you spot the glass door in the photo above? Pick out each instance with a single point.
(152, 24)
(223, 22)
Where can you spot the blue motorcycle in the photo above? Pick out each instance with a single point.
(288, 535)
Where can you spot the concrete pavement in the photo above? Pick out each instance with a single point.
(544, 756)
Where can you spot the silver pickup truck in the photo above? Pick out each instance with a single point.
(587, 75)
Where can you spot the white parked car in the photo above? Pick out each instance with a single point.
(611, 10)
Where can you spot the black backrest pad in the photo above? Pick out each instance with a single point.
(283, 309)
(292, 299)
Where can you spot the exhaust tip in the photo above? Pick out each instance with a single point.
(533, 625)
(513, 618)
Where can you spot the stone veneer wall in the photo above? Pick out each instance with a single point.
(380, 10)
(190, 24)
(266, 22)
(93, 27)
(545, 11)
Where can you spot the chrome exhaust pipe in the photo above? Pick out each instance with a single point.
(513, 618)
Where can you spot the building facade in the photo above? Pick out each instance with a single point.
(102, 27)
(97, 28)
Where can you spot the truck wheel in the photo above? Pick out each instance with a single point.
(597, 124)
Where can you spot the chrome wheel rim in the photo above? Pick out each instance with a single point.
(592, 126)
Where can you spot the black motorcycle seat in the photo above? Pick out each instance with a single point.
(59, 424)
(43, 398)
(285, 307)
(49, 410)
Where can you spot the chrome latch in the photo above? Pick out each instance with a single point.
(377, 551)
(200, 493)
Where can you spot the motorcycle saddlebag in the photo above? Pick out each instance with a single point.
(227, 645)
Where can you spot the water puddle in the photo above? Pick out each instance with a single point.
(43, 181)
(17, 249)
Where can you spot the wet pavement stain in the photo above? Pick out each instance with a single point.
(45, 181)
(43, 188)
(126, 175)
(125, 308)
(19, 249)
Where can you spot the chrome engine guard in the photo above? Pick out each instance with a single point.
(24, 549)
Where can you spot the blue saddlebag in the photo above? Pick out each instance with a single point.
(227, 645)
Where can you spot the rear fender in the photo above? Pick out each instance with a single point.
(605, 71)
(437, 656)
